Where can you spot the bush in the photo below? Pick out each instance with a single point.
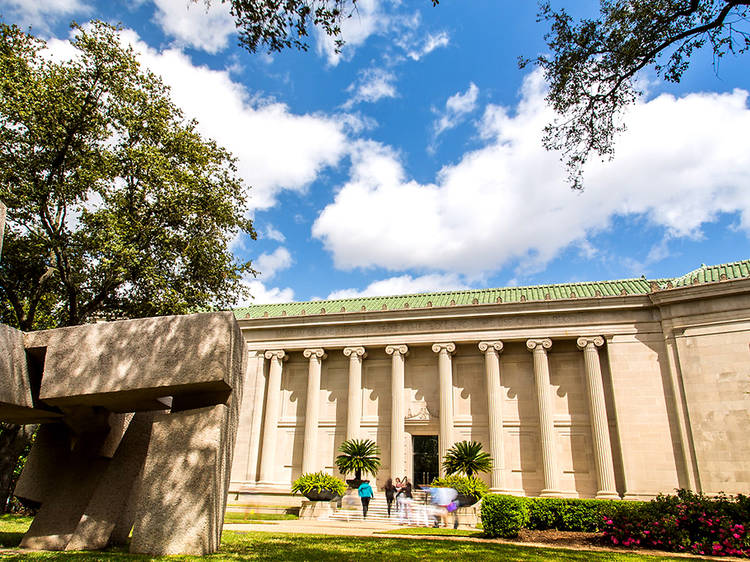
(568, 514)
(503, 516)
(686, 522)
(318, 481)
(464, 485)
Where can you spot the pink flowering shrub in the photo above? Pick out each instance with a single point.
(686, 522)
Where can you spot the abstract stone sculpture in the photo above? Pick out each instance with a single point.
(139, 426)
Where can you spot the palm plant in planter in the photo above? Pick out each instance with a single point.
(467, 457)
(318, 486)
(358, 456)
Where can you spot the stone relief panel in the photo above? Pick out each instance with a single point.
(376, 392)
(517, 379)
(522, 460)
(422, 390)
(641, 391)
(289, 453)
(469, 394)
(566, 373)
(293, 391)
(576, 460)
(334, 383)
(719, 406)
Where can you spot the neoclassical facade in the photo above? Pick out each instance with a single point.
(617, 389)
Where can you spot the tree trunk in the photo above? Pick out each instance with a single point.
(13, 441)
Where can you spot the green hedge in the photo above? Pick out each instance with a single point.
(569, 514)
(507, 514)
(503, 516)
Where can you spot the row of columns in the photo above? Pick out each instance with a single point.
(492, 350)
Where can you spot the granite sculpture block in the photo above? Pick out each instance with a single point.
(142, 419)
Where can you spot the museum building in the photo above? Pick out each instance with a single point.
(613, 389)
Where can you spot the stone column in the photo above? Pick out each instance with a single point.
(354, 403)
(268, 469)
(492, 350)
(312, 411)
(445, 376)
(539, 348)
(398, 353)
(256, 421)
(605, 472)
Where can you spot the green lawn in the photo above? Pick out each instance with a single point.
(292, 547)
(438, 532)
(235, 517)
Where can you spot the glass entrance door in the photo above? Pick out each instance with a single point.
(426, 461)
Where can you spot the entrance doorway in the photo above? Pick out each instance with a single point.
(426, 461)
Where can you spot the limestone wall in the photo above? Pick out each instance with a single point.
(674, 372)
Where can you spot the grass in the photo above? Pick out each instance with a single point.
(236, 517)
(439, 532)
(294, 547)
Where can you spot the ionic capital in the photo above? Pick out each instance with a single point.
(315, 352)
(491, 346)
(279, 354)
(402, 350)
(447, 347)
(540, 344)
(586, 341)
(355, 351)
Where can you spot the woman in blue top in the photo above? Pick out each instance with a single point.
(365, 494)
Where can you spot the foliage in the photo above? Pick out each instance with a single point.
(595, 62)
(318, 481)
(467, 457)
(278, 25)
(569, 514)
(503, 516)
(358, 456)
(117, 206)
(685, 522)
(464, 485)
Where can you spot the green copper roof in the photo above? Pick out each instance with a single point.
(639, 286)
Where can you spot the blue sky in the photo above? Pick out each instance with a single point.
(412, 161)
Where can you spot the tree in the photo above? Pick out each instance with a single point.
(358, 456)
(117, 207)
(594, 63)
(277, 25)
(467, 457)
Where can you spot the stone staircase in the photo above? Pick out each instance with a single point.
(378, 511)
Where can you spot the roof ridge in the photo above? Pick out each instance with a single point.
(517, 291)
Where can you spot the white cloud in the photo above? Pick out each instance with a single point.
(260, 294)
(195, 23)
(458, 106)
(372, 85)
(41, 13)
(682, 163)
(403, 285)
(276, 149)
(367, 19)
(273, 234)
(431, 42)
(268, 265)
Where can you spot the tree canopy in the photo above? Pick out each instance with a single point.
(594, 63)
(117, 206)
(467, 457)
(276, 25)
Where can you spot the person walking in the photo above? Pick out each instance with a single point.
(390, 493)
(365, 495)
